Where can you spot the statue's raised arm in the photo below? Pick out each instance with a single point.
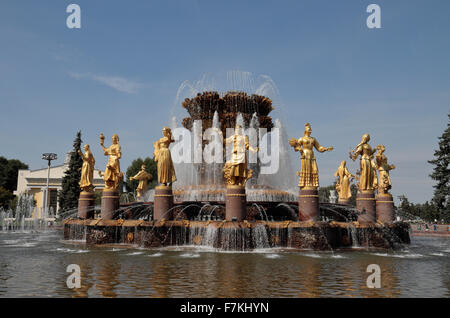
(112, 175)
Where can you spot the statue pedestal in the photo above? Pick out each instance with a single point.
(366, 202)
(163, 202)
(385, 208)
(236, 203)
(86, 205)
(110, 203)
(308, 205)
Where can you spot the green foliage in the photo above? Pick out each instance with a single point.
(425, 211)
(441, 173)
(68, 196)
(98, 197)
(353, 191)
(5, 198)
(9, 170)
(324, 193)
(135, 167)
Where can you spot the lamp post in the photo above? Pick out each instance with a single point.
(49, 157)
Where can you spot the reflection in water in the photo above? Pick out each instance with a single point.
(107, 271)
(34, 264)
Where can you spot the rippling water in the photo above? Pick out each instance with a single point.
(34, 264)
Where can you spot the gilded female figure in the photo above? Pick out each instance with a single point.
(384, 183)
(142, 176)
(235, 170)
(166, 170)
(367, 177)
(309, 174)
(112, 174)
(343, 183)
(87, 170)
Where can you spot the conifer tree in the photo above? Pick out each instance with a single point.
(68, 196)
(441, 173)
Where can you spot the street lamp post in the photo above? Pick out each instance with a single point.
(49, 157)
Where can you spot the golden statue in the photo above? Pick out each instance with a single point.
(343, 183)
(142, 176)
(235, 170)
(87, 170)
(112, 174)
(309, 174)
(367, 172)
(384, 182)
(166, 170)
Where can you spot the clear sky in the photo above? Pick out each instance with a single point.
(121, 72)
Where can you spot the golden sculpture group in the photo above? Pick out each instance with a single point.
(236, 172)
(368, 182)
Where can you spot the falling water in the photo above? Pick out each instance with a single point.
(25, 216)
(354, 235)
(260, 237)
(201, 181)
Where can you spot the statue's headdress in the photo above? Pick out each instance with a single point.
(307, 125)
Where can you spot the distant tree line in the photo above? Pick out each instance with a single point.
(426, 211)
(9, 171)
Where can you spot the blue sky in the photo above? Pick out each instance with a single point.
(121, 71)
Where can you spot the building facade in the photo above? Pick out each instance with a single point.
(35, 182)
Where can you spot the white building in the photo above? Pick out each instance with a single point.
(35, 182)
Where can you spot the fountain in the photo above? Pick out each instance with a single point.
(200, 202)
(26, 217)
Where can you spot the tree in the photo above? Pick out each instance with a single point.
(324, 193)
(425, 211)
(135, 167)
(5, 198)
(353, 191)
(68, 196)
(441, 173)
(9, 170)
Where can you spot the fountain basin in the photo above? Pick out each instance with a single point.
(238, 236)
